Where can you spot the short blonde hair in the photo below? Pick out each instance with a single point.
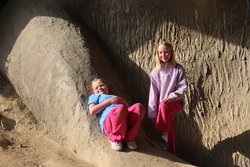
(95, 79)
(172, 60)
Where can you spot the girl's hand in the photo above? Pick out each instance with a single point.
(118, 100)
(124, 102)
(115, 100)
(167, 101)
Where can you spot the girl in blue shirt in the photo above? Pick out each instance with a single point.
(119, 121)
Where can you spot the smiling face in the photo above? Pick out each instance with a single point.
(164, 53)
(98, 86)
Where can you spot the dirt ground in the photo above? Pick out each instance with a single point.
(22, 142)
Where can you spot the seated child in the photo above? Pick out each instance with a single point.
(119, 121)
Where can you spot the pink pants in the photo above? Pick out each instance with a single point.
(165, 123)
(122, 123)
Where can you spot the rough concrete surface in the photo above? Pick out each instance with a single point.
(50, 58)
(211, 40)
(23, 143)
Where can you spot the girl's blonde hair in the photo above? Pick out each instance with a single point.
(172, 60)
(95, 79)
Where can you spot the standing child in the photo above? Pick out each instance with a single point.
(116, 119)
(168, 85)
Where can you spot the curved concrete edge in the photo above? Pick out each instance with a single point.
(47, 60)
(102, 155)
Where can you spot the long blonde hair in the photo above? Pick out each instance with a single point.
(158, 61)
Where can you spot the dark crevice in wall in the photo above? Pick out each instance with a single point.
(3, 3)
(102, 55)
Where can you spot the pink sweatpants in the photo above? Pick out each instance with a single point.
(165, 123)
(122, 123)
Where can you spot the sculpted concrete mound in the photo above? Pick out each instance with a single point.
(50, 62)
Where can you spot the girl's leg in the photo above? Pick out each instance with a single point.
(164, 121)
(136, 113)
(115, 125)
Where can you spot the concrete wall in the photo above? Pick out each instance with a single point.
(211, 39)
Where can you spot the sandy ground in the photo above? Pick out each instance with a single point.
(22, 142)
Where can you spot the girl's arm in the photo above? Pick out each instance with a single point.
(96, 108)
(153, 97)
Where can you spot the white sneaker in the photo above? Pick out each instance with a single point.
(117, 146)
(132, 145)
(164, 137)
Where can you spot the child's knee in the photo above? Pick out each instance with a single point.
(120, 108)
(140, 108)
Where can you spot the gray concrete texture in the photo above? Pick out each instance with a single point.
(50, 61)
(51, 50)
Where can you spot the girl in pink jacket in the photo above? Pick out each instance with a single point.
(168, 85)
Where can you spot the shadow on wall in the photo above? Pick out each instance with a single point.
(2, 3)
(230, 26)
(143, 138)
(224, 153)
(125, 27)
(137, 81)
(232, 17)
(190, 146)
(133, 82)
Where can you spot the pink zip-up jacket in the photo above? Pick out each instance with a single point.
(167, 82)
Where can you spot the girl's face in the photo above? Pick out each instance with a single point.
(99, 87)
(164, 53)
